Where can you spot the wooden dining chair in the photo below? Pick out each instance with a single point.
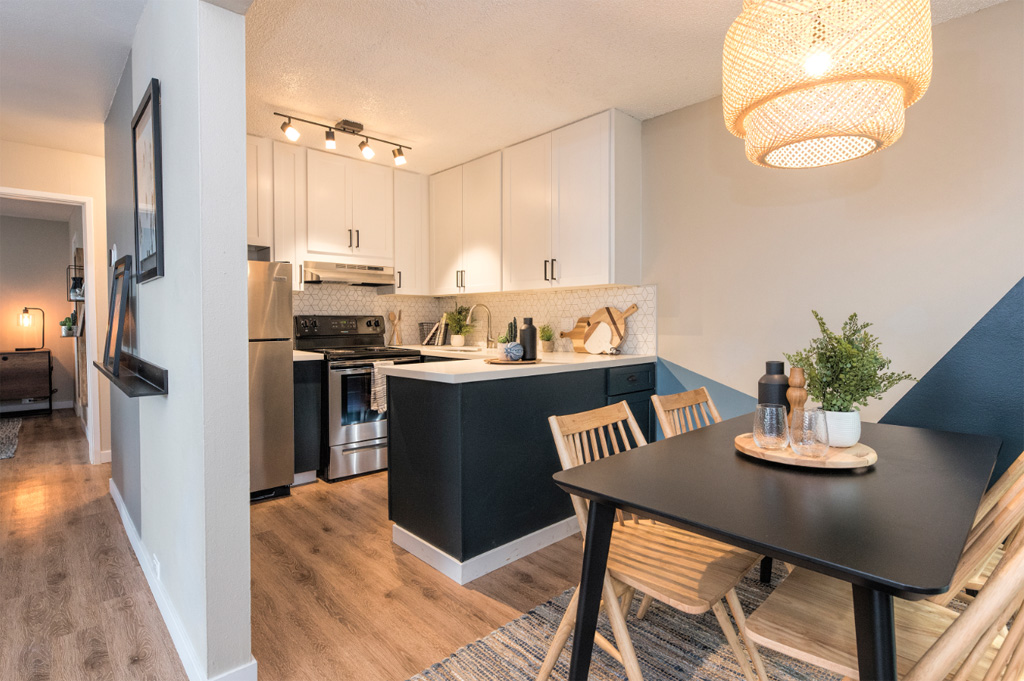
(682, 412)
(810, 616)
(1006, 480)
(684, 570)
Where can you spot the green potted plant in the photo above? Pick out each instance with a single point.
(510, 335)
(457, 325)
(844, 370)
(67, 326)
(547, 338)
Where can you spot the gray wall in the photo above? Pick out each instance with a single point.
(33, 272)
(124, 411)
(921, 239)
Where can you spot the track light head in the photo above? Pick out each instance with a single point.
(364, 147)
(289, 130)
(329, 140)
(399, 156)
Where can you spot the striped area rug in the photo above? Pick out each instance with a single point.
(669, 645)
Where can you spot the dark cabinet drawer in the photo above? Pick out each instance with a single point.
(24, 375)
(624, 380)
(643, 411)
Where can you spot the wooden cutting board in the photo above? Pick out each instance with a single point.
(615, 319)
(598, 339)
(857, 456)
(577, 333)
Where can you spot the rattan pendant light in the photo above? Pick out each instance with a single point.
(809, 83)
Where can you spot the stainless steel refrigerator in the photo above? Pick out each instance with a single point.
(271, 401)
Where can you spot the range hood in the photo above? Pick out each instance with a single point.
(347, 273)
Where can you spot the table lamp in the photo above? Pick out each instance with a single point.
(25, 319)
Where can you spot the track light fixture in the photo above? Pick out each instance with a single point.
(289, 130)
(349, 128)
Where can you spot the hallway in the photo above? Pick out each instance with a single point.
(74, 603)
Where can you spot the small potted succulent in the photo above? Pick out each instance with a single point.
(547, 338)
(67, 326)
(844, 370)
(457, 325)
(508, 338)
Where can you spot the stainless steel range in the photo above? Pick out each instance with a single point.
(356, 435)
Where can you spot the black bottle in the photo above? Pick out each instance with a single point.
(772, 387)
(528, 339)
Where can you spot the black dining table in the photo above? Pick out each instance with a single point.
(895, 528)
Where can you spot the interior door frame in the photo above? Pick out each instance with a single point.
(96, 413)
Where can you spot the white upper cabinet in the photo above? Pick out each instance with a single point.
(527, 215)
(259, 176)
(290, 208)
(327, 230)
(481, 225)
(587, 175)
(351, 208)
(446, 232)
(411, 243)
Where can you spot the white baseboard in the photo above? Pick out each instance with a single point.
(183, 645)
(304, 478)
(35, 406)
(99, 456)
(247, 672)
(464, 572)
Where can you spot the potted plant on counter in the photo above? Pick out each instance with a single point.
(510, 335)
(547, 338)
(457, 325)
(844, 370)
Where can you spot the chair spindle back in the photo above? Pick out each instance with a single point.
(682, 412)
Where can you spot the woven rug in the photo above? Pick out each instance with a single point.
(9, 437)
(669, 645)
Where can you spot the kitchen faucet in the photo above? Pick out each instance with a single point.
(469, 318)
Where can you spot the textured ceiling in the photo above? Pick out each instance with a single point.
(457, 79)
(60, 61)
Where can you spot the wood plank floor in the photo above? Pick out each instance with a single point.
(332, 596)
(74, 603)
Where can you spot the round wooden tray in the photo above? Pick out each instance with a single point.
(495, 360)
(857, 456)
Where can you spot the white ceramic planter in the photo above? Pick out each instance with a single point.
(843, 428)
(458, 341)
(67, 331)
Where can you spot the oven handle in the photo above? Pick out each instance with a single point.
(359, 367)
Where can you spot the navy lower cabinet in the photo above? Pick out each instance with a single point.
(635, 386)
(470, 464)
(308, 415)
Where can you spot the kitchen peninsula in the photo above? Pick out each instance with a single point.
(471, 454)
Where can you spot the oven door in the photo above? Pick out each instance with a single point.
(350, 418)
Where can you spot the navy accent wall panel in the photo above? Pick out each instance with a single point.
(978, 386)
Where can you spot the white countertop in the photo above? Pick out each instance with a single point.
(303, 356)
(473, 367)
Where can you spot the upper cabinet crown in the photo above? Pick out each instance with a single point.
(572, 206)
(465, 228)
(350, 209)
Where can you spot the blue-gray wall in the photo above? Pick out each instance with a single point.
(978, 386)
(124, 411)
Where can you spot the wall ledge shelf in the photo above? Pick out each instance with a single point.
(136, 377)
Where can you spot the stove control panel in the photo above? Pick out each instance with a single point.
(337, 325)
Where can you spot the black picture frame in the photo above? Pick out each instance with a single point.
(120, 289)
(147, 162)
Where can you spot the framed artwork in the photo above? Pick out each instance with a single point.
(120, 289)
(149, 213)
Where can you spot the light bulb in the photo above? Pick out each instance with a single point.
(364, 147)
(25, 319)
(289, 130)
(817, 64)
(399, 156)
(329, 141)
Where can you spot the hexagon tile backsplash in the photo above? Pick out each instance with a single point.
(559, 308)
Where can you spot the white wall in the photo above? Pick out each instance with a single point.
(194, 442)
(921, 239)
(41, 169)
